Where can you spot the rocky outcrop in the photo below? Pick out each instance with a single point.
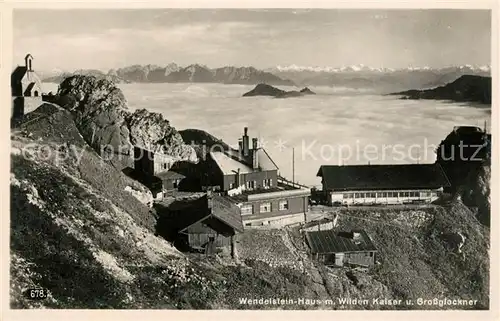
(307, 91)
(151, 131)
(264, 90)
(293, 93)
(202, 142)
(99, 109)
(476, 192)
(268, 90)
(102, 117)
(465, 156)
(467, 88)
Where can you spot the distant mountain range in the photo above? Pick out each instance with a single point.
(384, 80)
(380, 79)
(467, 88)
(361, 67)
(173, 73)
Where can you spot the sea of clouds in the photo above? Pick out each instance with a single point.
(336, 126)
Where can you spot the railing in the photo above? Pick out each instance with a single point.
(288, 182)
(279, 194)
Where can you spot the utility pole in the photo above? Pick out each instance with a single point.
(293, 165)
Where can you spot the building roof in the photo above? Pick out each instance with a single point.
(18, 73)
(331, 242)
(370, 177)
(170, 174)
(198, 211)
(227, 212)
(230, 161)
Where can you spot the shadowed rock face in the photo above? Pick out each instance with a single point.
(467, 88)
(153, 132)
(99, 109)
(268, 90)
(102, 117)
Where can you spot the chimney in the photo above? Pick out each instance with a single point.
(237, 179)
(255, 159)
(246, 142)
(356, 236)
(255, 143)
(240, 146)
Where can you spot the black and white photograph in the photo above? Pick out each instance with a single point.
(250, 158)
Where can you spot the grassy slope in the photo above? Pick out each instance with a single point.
(417, 262)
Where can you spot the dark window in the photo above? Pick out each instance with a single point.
(36, 93)
(371, 254)
(248, 224)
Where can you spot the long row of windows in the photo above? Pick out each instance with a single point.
(266, 183)
(387, 194)
(265, 207)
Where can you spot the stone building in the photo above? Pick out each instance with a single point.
(26, 88)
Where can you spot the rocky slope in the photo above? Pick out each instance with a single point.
(267, 90)
(102, 117)
(467, 88)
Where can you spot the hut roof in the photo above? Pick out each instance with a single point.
(372, 177)
(330, 241)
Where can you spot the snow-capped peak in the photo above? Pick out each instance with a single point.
(362, 67)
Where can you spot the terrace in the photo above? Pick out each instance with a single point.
(282, 190)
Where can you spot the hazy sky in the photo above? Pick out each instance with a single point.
(103, 39)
